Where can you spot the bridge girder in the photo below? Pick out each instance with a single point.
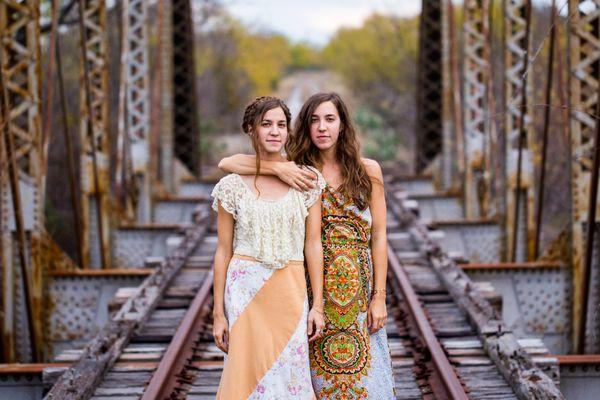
(133, 154)
(584, 42)
(20, 64)
(516, 50)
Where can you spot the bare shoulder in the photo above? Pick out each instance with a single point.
(373, 168)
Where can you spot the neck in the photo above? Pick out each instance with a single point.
(328, 157)
(264, 156)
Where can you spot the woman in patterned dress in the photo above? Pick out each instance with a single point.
(261, 309)
(351, 360)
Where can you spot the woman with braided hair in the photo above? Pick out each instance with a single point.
(351, 359)
(266, 229)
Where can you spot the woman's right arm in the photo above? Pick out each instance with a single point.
(287, 171)
(223, 254)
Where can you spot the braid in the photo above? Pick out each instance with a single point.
(255, 109)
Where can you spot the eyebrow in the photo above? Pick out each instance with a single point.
(326, 115)
(270, 120)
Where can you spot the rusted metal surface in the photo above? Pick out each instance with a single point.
(520, 143)
(584, 38)
(542, 179)
(94, 157)
(101, 353)
(590, 247)
(522, 135)
(133, 153)
(186, 135)
(453, 389)
(20, 63)
(476, 67)
(68, 137)
(163, 107)
(178, 357)
(17, 211)
(429, 84)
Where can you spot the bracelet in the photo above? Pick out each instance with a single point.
(375, 291)
(319, 311)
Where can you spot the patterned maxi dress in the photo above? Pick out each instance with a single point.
(348, 363)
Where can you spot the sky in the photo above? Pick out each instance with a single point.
(314, 21)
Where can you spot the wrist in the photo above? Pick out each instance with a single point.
(218, 313)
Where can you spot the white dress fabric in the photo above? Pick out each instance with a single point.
(272, 231)
(269, 237)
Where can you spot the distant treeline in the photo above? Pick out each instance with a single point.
(377, 62)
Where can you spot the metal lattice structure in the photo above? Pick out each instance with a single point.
(430, 84)
(165, 151)
(515, 54)
(584, 36)
(186, 133)
(20, 63)
(96, 140)
(135, 119)
(476, 69)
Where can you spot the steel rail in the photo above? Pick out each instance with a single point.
(444, 370)
(81, 380)
(180, 352)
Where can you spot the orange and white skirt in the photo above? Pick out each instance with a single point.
(268, 345)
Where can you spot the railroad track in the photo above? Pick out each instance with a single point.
(439, 349)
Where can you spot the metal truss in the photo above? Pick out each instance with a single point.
(96, 246)
(584, 40)
(430, 84)
(134, 122)
(515, 58)
(20, 63)
(476, 81)
(185, 110)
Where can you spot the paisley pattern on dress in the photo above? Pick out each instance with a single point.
(344, 364)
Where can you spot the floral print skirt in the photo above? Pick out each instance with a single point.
(268, 345)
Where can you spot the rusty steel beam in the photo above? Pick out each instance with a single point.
(542, 180)
(518, 122)
(186, 133)
(133, 153)
(95, 151)
(584, 53)
(20, 63)
(161, 127)
(458, 152)
(523, 112)
(429, 85)
(476, 69)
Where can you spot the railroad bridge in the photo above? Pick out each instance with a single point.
(479, 305)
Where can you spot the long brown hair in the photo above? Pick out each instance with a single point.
(253, 116)
(300, 148)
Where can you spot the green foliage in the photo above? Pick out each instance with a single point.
(378, 62)
(380, 141)
(304, 56)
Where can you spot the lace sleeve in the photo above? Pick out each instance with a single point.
(225, 192)
(311, 196)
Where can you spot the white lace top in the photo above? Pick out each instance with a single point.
(272, 231)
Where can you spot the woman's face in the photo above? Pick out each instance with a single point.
(325, 126)
(273, 131)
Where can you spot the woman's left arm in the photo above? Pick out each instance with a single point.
(313, 252)
(377, 316)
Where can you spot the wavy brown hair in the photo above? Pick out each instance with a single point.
(253, 116)
(300, 148)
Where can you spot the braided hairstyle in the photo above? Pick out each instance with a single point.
(253, 116)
